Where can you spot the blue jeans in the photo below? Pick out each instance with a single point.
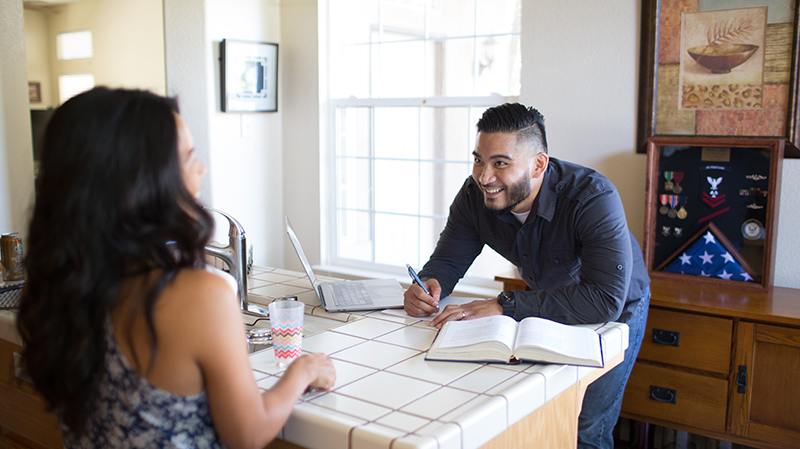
(603, 398)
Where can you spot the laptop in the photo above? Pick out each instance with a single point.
(349, 296)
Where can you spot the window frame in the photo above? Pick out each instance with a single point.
(331, 259)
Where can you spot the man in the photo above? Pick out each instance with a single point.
(563, 226)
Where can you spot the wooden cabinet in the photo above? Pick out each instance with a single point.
(687, 380)
(718, 362)
(765, 402)
(25, 422)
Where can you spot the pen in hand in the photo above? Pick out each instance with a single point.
(417, 280)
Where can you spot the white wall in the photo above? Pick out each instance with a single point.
(244, 171)
(247, 173)
(579, 64)
(300, 97)
(787, 268)
(16, 155)
(127, 38)
(37, 57)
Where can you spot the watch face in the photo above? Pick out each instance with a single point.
(504, 298)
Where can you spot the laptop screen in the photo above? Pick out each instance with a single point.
(302, 255)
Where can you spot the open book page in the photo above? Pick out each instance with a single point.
(566, 342)
(471, 332)
(444, 302)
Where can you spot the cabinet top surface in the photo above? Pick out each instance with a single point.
(779, 305)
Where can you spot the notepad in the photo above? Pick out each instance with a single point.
(501, 339)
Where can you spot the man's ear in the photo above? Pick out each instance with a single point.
(539, 164)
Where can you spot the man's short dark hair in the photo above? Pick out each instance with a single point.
(527, 123)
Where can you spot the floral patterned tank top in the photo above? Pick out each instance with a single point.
(132, 413)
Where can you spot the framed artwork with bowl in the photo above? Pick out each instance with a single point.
(719, 68)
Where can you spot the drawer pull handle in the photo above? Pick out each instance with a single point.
(662, 394)
(741, 380)
(668, 338)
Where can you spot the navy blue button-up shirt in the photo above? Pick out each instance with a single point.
(574, 250)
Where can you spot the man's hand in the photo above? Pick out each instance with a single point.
(468, 311)
(418, 303)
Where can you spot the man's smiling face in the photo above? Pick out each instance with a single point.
(503, 172)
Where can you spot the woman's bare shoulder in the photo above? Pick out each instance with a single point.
(200, 295)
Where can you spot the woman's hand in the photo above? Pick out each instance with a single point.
(319, 369)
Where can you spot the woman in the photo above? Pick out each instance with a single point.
(127, 337)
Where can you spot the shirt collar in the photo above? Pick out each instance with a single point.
(545, 203)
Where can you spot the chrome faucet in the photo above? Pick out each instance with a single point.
(235, 257)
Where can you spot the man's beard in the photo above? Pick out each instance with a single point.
(515, 194)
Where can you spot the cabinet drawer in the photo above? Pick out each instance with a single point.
(680, 397)
(684, 339)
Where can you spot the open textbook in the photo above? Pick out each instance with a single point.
(500, 338)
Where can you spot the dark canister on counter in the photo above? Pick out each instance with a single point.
(11, 254)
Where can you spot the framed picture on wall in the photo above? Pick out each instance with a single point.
(716, 69)
(34, 92)
(249, 76)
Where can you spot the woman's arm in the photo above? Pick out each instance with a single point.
(242, 416)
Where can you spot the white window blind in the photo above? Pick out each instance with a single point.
(74, 45)
(71, 85)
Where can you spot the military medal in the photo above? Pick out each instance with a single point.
(673, 201)
(665, 231)
(678, 176)
(681, 213)
(678, 232)
(753, 191)
(669, 184)
(664, 208)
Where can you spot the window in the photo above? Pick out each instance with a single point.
(74, 45)
(71, 85)
(408, 81)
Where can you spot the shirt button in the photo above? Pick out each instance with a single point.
(557, 260)
(525, 256)
(619, 267)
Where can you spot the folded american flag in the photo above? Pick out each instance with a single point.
(708, 257)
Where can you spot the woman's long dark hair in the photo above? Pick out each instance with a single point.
(110, 201)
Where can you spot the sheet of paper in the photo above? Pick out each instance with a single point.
(566, 340)
(444, 302)
(470, 332)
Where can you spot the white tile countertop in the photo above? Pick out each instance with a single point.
(386, 395)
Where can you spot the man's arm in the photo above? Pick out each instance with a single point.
(606, 262)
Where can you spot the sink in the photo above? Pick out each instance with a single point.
(311, 325)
